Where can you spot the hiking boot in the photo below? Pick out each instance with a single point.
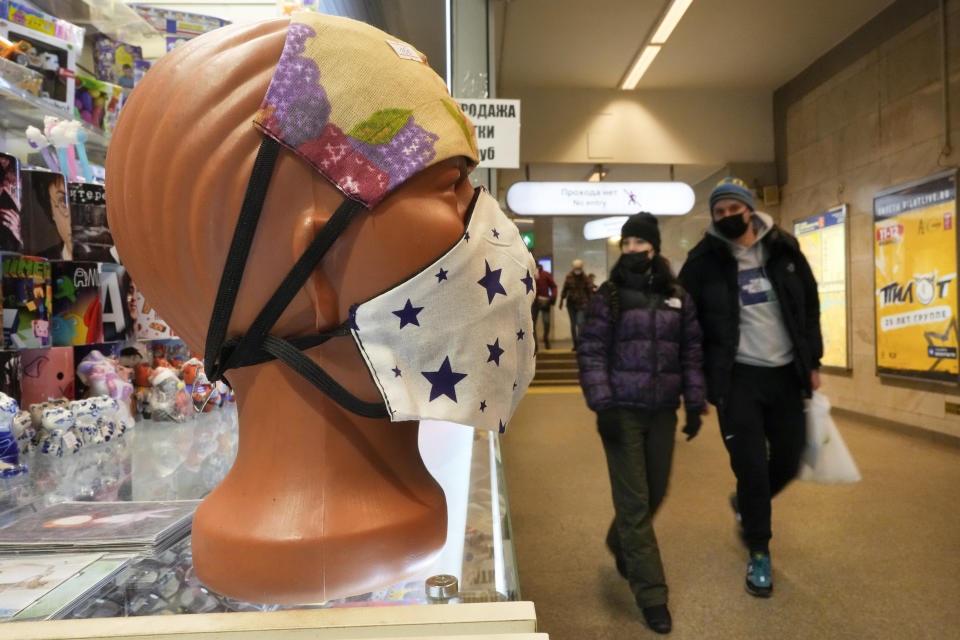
(759, 583)
(735, 505)
(658, 618)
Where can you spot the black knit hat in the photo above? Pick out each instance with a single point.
(642, 225)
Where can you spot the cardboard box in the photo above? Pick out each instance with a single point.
(11, 198)
(77, 314)
(45, 215)
(90, 232)
(27, 306)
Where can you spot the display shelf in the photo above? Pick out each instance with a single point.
(187, 460)
(20, 109)
(112, 18)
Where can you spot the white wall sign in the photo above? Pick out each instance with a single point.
(498, 131)
(599, 198)
(604, 228)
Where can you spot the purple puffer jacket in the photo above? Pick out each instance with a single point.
(651, 357)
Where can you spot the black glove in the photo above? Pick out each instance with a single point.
(608, 424)
(553, 301)
(692, 428)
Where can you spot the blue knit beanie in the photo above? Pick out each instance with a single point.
(732, 189)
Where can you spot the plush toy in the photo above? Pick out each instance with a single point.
(164, 401)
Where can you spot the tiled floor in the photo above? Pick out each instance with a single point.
(877, 559)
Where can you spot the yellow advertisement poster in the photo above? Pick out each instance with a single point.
(823, 240)
(915, 266)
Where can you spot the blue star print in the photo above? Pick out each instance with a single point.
(442, 275)
(483, 406)
(528, 282)
(491, 282)
(396, 372)
(353, 318)
(466, 236)
(520, 334)
(443, 381)
(503, 427)
(408, 315)
(496, 234)
(495, 352)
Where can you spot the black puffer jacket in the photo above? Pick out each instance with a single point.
(710, 277)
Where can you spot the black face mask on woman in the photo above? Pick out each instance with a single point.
(731, 227)
(636, 263)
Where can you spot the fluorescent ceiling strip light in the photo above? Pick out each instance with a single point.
(670, 20)
(640, 66)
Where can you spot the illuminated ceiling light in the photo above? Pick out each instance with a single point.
(670, 20)
(600, 198)
(640, 67)
(604, 228)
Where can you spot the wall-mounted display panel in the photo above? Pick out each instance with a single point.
(823, 240)
(915, 274)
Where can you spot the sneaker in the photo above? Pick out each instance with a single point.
(658, 618)
(759, 582)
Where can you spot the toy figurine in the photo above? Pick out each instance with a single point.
(163, 402)
(9, 450)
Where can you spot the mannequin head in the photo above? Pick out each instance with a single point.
(351, 492)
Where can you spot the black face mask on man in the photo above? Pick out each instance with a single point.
(731, 227)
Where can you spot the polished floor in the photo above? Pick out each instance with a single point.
(878, 559)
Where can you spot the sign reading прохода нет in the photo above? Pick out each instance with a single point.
(498, 131)
(600, 198)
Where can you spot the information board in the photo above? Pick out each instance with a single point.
(915, 271)
(823, 240)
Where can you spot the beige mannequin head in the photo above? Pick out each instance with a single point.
(320, 503)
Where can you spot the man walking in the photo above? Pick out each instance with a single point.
(757, 303)
(576, 291)
(546, 298)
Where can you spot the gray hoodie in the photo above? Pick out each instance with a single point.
(764, 341)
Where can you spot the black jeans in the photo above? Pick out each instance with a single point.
(639, 448)
(764, 430)
(536, 310)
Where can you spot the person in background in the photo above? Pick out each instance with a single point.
(576, 292)
(758, 305)
(640, 351)
(592, 279)
(546, 298)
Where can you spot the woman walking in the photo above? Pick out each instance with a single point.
(640, 351)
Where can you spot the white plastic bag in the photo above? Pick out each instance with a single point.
(826, 459)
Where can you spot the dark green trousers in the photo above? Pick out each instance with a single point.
(639, 448)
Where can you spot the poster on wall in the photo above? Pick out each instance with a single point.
(915, 275)
(823, 240)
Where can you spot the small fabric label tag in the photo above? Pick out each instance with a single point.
(69, 440)
(404, 50)
(674, 303)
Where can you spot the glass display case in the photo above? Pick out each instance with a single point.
(183, 461)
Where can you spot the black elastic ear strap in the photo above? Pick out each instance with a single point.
(237, 256)
(255, 336)
(296, 360)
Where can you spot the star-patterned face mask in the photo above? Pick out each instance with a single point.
(455, 341)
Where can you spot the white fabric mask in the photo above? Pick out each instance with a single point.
(455, 341)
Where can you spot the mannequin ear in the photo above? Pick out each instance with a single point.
(323, 296)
